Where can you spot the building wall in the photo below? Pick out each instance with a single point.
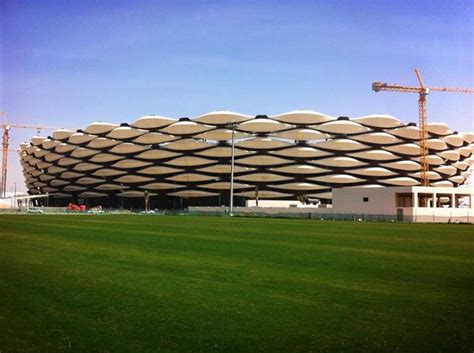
(380, 200)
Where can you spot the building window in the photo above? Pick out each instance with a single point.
(365, 199)
(404, 200)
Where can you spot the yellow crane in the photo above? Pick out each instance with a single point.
(422, 91)
(6, 143)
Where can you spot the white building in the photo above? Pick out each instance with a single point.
(411, 203)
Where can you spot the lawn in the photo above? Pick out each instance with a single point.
(202, 284)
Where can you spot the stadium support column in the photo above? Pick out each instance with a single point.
(256, 196)
(121, 204)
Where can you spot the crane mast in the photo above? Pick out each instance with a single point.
(5, 146)
(423, 91)
(5, 143)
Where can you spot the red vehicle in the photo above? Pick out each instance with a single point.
(76, 208)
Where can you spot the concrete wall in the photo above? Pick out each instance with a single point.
(278, 203)
(267, 210)
(439, 215)
(380, 200)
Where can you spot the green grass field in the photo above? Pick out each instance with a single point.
(190, 284)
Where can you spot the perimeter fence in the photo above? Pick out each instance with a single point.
(294, 214)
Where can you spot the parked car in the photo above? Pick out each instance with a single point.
(95, 211)
(35, 210)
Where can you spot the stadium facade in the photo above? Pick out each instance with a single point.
(299, 154)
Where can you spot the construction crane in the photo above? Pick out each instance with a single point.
(422, 91)
(5, 146)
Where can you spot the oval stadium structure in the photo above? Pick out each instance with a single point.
(286, 156)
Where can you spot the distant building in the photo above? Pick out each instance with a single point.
(300, 155)
(10, 199)
(410, 203)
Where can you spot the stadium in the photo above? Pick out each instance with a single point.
(236, 176)
(294, 155)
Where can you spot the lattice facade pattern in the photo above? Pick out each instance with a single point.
(282, 156)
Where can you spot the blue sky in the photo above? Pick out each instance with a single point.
(69, 63)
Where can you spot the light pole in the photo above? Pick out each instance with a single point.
(14, 195)
(231, 208)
